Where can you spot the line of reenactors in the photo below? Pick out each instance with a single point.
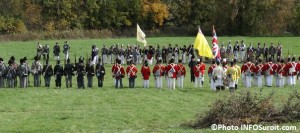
(12, 73)
(109, 55)
(241, 52)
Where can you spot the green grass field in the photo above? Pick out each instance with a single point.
(115, 110)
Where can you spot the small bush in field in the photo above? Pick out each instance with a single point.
(247, 108)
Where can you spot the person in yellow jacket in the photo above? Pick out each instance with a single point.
(232, 76)
(238, 68)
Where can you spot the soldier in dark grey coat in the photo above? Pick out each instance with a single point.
(10, 74)
(56, 51)
(90, 69)
(23, 73)
(100, 72)
(258, 51)
(47, 73)
(36, 69)
(80, 68)
(272, 51)
(2, 73)
(58, 73)
(69, 73)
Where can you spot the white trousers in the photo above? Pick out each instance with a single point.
(138, 59)
(176, 58)
(150, 61)
(96, 59)
(248, 81)
(198, 80)
(259, 81)
(269, 80)
(291, 80)
(281, 82)
(67, 55)
(232, 84)
(242, 55)
(277, 80)
(180, 80)
(122, 59)
(104, 59)
(212, 85)
(171, 83)
(183, 58)
(111, 59)
(146, 83)
(158, 82)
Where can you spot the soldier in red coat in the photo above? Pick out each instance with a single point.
(298, 69)
(181, 73)
(276, 66)
(112, 70)
(210, 70)
(199, 73)
(118, 73)
(158, 72)
(131, 71)
(247, 71)
(281, 73)
(290, 70)
(146, 72)
(268, 70)
(171, 70)
(258, 72)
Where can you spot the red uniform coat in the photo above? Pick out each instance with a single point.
(199, 69)
(131, 71)
(269, 68)
(118, 70)
(280, 69)
(181, 70)
(145, 72)
(211, 68)
(171, 68)
(287, 68)
(248, 66)
(160, 68)
(113, 68)
(258, 69)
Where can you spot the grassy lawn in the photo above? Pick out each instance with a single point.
(115, 110)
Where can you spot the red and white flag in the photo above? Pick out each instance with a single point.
(216, 50)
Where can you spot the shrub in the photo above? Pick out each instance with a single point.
(246, 108)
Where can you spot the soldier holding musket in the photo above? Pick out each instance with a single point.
(100, 73)
(69, 73)
(266, 52)
(47, 73)
(80, 73)
(183, 53)
(258, 51)
(272, 51)
(46, 51)
(104, 52)
(36, 69)
(164, 53)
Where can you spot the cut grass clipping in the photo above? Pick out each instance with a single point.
(246, 107)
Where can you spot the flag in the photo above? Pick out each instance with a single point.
(202, 46)
(216, 50)
(140, 35)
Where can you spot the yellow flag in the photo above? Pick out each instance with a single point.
(140, 35)
(202, 46)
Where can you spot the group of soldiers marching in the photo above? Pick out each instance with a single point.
(241, 52)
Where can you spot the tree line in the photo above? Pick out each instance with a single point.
(231, 17)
